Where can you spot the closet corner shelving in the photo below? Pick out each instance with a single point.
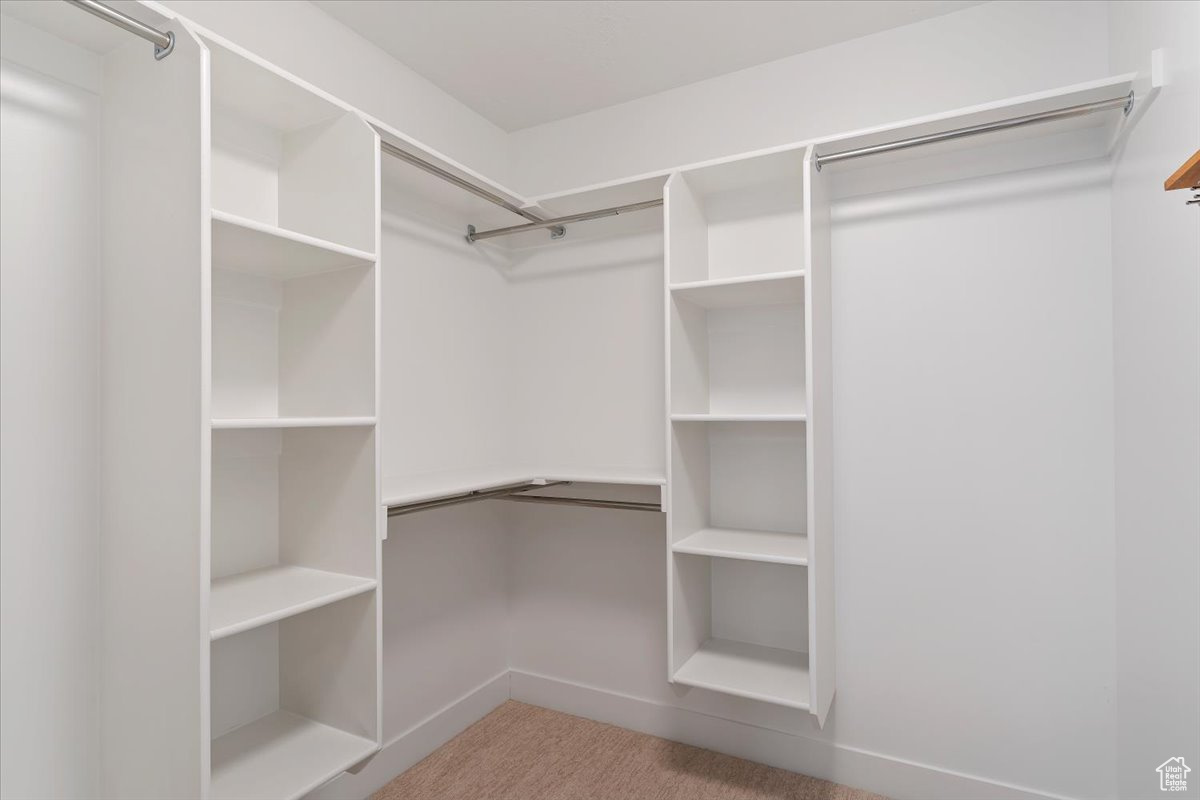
(742, 376)
(293, 609)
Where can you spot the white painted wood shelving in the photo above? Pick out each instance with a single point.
(747, 387)
(293, 611)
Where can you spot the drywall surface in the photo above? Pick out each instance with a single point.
(585, 354)
(445, 616)
(312, 45)
(983, 53)
(1156, 318)
(446, 399)
(973, 476)
(49, 396)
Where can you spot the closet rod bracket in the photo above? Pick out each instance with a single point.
(163, 41)
(162, 52)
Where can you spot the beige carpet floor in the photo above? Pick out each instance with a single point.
(523, 752)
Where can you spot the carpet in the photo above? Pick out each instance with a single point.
(524, 752)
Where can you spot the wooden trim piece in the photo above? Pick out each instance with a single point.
(1186, 176)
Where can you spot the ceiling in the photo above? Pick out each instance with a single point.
(521, 63)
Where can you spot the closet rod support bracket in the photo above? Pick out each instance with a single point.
(163, 41)
(161, 52)
(558, 232)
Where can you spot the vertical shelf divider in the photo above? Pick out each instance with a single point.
(818, 338)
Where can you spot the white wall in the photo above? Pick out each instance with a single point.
(49, 394)
(973, 477)
(981, 53)
(1156, 311)
(312, 45)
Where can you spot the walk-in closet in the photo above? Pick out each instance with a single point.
(552, 400)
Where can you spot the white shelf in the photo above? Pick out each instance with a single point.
(245, 245)
(431, 486)
(770, 289)
(710, 417)
(769, 546)
(749, 670)
(292, 422)
(241, 602)
(281, 756)
(618, 476)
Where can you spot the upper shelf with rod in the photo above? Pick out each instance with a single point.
(489, 213)
(1073, 123)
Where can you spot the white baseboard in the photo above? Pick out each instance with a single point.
(402, 751)
(891, 777)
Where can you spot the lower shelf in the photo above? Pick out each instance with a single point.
(769, 546)
(749, 670)
(281, 756)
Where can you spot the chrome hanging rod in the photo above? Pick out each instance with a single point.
(1125, 102)
(468, 497)
(623, 505)
(475, 236)
(164, 42)
(556, 232)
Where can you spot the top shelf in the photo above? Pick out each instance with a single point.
(777, 288)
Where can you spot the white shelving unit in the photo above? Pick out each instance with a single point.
(740, 381)
(293, 607)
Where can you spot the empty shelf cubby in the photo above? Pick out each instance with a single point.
(294, 347)
(744, 631)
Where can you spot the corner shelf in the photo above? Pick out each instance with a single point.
(231, 423)
(250, 599)
(245, 245)
(282, 756)
(400, 490)
(766, 289)
(768, 546)
(747, 670)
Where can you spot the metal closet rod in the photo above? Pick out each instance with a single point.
(163, 41)
(535, 222)
(1125, 102)
(622, 505)
(466, 497)
(450, 177)
(512, 491)
(475, 236)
